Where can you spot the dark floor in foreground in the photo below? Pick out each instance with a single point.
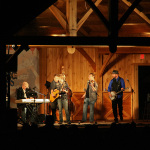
(121, 135)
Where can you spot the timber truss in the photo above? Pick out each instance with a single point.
(69, 22)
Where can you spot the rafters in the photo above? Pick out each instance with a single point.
(128, 12)
(141, 14)
(87, 14)
(59, 16)
(98, 12)
(62, 19)
(88, 58)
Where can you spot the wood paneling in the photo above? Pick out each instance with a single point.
(77, 69)
(75, 65)
(122, 63)
(78, 103)
(107, 112)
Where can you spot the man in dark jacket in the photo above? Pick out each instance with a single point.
(23, 92)
(116, 84)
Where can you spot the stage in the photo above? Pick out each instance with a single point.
(99, 124)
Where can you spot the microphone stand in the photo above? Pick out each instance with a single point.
(132, 99)
(44, 101)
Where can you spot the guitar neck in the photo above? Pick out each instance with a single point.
(121, 91)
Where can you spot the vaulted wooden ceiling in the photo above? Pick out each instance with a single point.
(46, 24)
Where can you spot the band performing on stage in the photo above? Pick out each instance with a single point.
(58, 98)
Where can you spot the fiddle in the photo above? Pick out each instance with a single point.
(92, 84)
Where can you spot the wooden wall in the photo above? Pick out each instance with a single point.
(77, 69)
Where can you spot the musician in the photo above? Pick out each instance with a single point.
(90, 98)
(23, 93)
(63, 99)
(55, 84)
(116, 84)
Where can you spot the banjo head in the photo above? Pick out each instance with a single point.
(113, 93)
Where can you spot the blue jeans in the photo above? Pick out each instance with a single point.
(85, 106)
(63, 103)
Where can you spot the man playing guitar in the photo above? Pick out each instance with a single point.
(55, 85)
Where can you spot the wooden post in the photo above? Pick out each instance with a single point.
(2, 83)
(113, 25)
(71, 13)
(42, 74)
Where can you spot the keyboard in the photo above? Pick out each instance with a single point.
(25, 101)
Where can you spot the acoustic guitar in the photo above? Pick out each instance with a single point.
(56, 95)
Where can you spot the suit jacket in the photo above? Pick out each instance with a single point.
(92, 94)
(20, 93)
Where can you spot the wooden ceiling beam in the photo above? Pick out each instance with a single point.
(127, 13)
(105, 64)
(59, 16)
(98, 13)
(87, 41)
(71, 13)
(126, 50)
(113, 25)
(88, 13)
(141, 14)
(87, 57)
(62, 19)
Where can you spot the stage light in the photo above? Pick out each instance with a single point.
(15, 47)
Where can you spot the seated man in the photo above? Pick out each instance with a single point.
(24, 92)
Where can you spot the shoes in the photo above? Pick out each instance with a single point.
(92, 122)
(116, 120)
(69, 122)
(121, 118)
(59, 122)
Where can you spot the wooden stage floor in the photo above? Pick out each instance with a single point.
(100, 124)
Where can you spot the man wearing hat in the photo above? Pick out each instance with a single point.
(116, 84)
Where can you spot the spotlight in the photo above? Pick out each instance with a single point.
(15, 47)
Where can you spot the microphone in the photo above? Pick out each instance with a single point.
(27, 90)
(34, 88)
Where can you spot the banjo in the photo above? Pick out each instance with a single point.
(114, 94)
